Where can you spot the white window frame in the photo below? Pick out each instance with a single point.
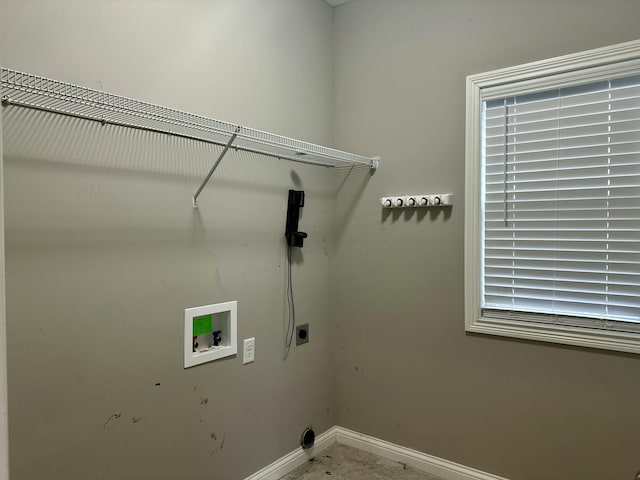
(591, 65)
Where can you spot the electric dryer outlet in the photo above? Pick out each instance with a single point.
(302, 334)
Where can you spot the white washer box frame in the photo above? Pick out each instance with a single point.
(191, 358)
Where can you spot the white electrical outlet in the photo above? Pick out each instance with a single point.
(249, 350)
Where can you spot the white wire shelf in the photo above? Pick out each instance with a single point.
(35, 92)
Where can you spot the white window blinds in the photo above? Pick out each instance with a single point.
(561, 206)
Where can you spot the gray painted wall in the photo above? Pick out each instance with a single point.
(407, 372)
(104, 250)
(4, 420)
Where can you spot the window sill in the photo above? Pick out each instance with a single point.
(604, 340)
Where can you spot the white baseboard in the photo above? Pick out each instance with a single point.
(293, 460)
(418, 460)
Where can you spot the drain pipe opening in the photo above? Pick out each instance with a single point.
(308, 438)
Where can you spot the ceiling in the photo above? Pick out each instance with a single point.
(336, 2)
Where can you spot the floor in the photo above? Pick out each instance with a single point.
(340, 462)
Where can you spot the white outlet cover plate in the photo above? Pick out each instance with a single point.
(249, 350)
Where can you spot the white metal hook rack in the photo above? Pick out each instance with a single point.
(39, 93)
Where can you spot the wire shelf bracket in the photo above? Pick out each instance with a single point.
(25, 90)
(215, 165)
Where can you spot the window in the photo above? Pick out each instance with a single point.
(552, 234)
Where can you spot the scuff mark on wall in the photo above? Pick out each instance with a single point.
(220, 447)
(115, 415)
(324, 249)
